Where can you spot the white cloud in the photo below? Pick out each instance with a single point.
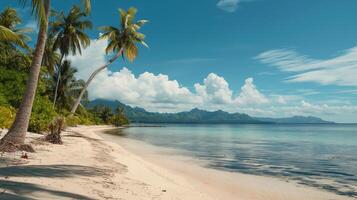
(228, 5)
(157, 92)
(281, 100)
(93, 57)
(340, 70)
(215, 90)
(249, 94)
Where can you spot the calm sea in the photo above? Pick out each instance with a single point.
(323, 156)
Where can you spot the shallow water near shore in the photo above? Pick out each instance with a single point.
(322, 156)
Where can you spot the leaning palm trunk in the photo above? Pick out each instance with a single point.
(17, 133)
(57, 82)
(95, 73)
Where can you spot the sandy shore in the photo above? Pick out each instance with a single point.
(90, 167)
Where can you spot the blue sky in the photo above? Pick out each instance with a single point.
(263, 57)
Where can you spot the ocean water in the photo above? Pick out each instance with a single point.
(323, 156)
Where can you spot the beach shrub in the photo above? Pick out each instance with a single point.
(73, 121)
(119, 119)
(55, 128)
(7, 116)
(42, 114)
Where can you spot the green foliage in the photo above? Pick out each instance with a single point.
(3, 100)
(119, 118)
(126, 36)
(13, 74)
(9, 32)
(69, 31)
(42, 114)
(7, 116)
(73, 121)
(68, 87)
(79, 120)
(15, 67)
(105, 115)
(12, 85)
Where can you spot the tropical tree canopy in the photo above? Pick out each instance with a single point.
(68, 31)
(7, 35)
(69, 87)
(38, 8)
(9, 31)
(50, 57)
(126, 36)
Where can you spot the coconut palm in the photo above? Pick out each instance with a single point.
(17, 133)
(8, 22)
(50, 57)
(69, 87)
(68, 31)
(122, 41)
(7, 35)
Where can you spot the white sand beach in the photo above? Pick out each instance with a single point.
(87, 166)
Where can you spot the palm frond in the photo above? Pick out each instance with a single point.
(8, 35)
(38, 10)
(68, 30)
(126, 36)
(87, 6)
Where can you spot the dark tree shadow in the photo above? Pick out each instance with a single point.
(6, 161)
(8, 196)
(50, 171)
(22, 190)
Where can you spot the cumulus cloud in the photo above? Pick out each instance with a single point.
(340, 70)
(214, 90)
(159, 93)
(92, 57)
(250, 95)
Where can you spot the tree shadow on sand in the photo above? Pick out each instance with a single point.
(20, 190)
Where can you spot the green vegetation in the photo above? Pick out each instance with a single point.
(13, 75)
(9, 33)
(104, 114)
(30, 78)
(7, 116)
(69, 37)
(122, 42)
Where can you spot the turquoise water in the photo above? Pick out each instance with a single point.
(323, 156)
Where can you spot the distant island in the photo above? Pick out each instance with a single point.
(197, 116)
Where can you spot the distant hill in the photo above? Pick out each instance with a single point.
(140, 115)
(296, 120)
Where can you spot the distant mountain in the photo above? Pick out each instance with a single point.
(296, 120)
(140, 115)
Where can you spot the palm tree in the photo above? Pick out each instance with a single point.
(7, 35)
(69, 87)
(121, 41)
(17, 133)
(8, 26)
(50, 57)
(69, 35)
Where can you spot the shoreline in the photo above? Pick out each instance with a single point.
(218, 183)
(91, 166)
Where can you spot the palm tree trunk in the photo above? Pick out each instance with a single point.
(95, 73)
(17, 132)
(57, 82)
